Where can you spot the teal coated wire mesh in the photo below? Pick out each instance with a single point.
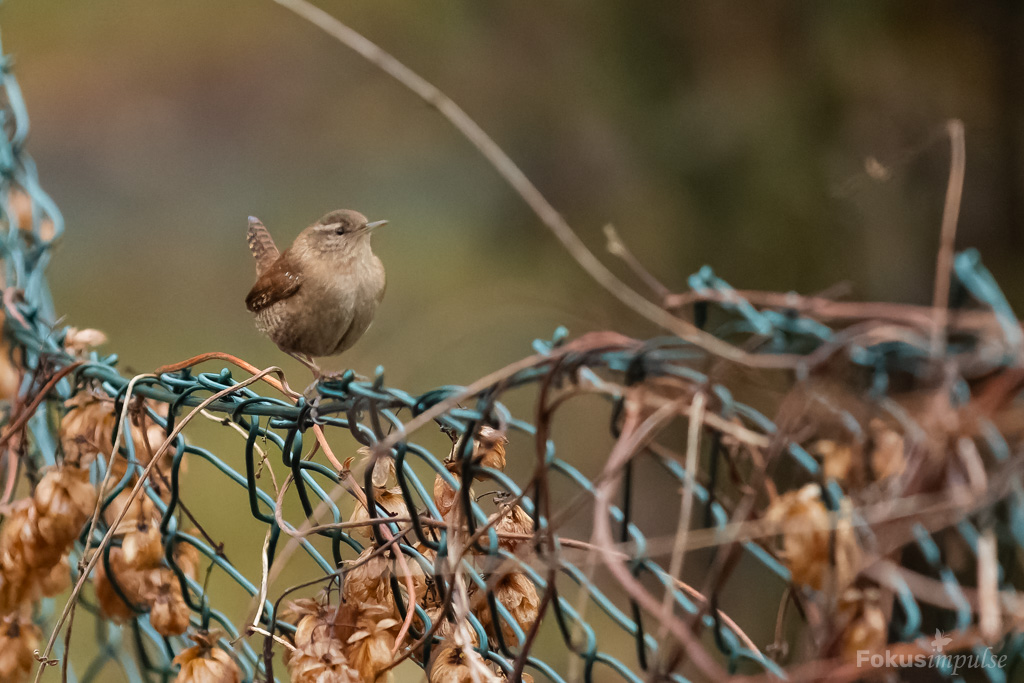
(885, 492)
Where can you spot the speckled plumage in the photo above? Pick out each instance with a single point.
(319, 296)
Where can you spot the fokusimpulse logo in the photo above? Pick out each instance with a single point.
(949, 663)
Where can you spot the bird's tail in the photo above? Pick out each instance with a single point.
(261, 244)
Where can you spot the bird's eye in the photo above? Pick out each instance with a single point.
(339, 230)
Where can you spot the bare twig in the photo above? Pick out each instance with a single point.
(10, 295)
(990, 616)
(261, 597)
(823, 308)
(118, 438)
(277, 639)
(634, 435)
(616, 247)
(512, 174)
(675, 570)
(726, 619)
(321, 439)
(281, 384)
(947, 240)
(264, 461)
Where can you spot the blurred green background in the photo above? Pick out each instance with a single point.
(734, 134)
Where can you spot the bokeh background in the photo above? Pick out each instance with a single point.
(733, 135)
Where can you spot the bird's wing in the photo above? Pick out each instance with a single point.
(278, 282)
(262, 246)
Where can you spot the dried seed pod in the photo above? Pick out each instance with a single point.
(445, 497)
(19, 639)
(383, 468)
(321, 661)
(10, 376)
(20, 204)
(16, 589)
(131, 581)
(526, 678)
(389, 499)
(205, 662)
(143, 547)
(58, 580)
(22, 549)
(453, 664)
(30, 564)
(836, 458)
(318, 656)
(366, 634)
(295, 610)
(147, 436)
(140, 511)
(87, 428)
(805, 526)
(147, 585)
(445, 629)
(512, 519)
(887, 456)
(367, 581)
(64, 498)
(168, 613)
(422, 579)
(864, 627)
(186, 556)
(489, 449)
(313, 621)
(79, 342)
(519, 596)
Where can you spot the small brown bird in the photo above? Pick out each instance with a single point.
(318, 296)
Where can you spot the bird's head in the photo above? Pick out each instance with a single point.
(340, 233)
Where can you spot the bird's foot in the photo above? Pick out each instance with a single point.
(312, 394)
(341, 375)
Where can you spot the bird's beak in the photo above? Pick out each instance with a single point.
(375, 224)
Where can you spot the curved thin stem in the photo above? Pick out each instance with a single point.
(515, 177)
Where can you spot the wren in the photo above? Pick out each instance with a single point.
(319, 296)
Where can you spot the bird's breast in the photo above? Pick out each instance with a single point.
(329, 313)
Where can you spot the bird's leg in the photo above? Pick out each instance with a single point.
(308, 362)
(320, 375)
(312, 392)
